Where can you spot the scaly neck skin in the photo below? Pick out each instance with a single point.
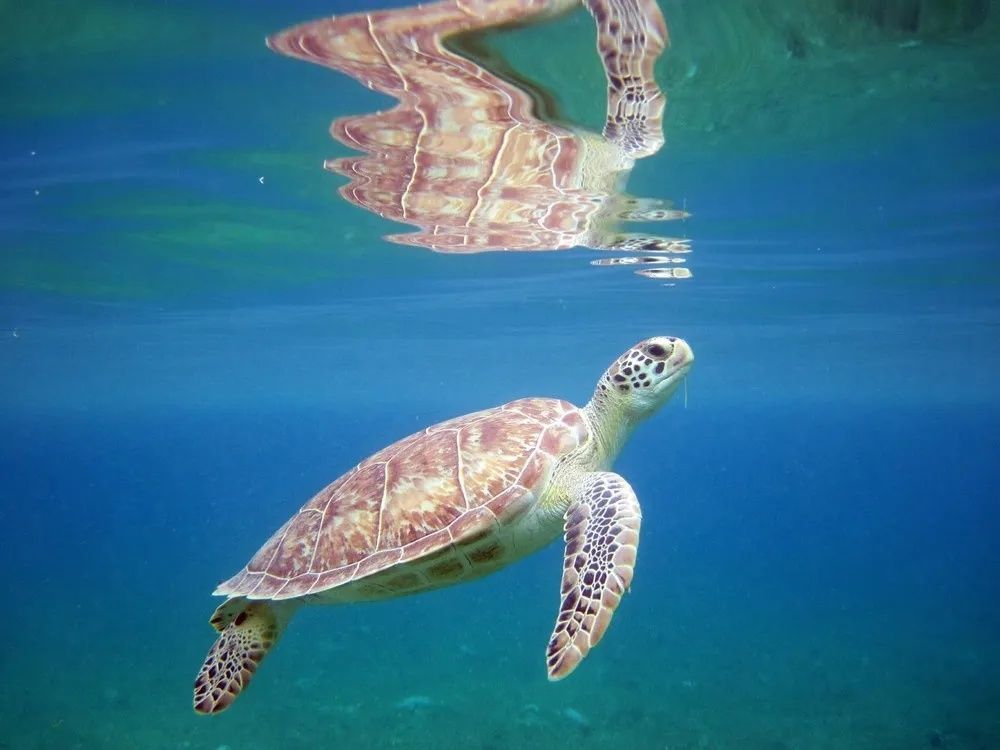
(612, 424)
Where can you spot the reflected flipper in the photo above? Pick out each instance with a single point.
(631, 34)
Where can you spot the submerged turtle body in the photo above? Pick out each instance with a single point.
(438, 507)
(459, 500)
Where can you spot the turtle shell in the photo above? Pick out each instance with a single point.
(453, 482)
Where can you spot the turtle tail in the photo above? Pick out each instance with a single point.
(247, 631)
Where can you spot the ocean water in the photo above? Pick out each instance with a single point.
(197, 333)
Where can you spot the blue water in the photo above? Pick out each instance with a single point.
(186, 354)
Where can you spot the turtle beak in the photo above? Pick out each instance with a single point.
(682, 357)
(679, 362)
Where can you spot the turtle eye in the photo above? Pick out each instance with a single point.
(655, 350)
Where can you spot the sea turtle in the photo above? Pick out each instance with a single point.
(452, 503)
(465, 155)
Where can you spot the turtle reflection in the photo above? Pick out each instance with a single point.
(464, 157)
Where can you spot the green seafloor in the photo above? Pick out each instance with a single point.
(196, 334)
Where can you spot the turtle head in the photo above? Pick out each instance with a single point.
(644, 378)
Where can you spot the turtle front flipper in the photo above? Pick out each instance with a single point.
(248, 630)
(602, 534)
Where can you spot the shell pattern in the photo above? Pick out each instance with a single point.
(455, 483)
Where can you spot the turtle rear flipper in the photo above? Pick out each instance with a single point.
(234, 657)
